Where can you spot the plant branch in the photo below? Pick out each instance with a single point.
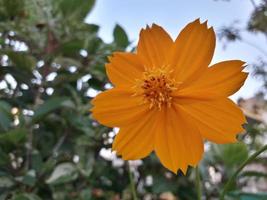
(198, 183)
(255, 46)
(254, 4)
(132, 183)
(233, 177)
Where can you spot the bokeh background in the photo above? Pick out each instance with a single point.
(52, 56)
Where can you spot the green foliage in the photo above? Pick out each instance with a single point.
(258, 20)
(74, 9)
(5, 116)
(120, 37)
(49, 144)
(63, 173)
(231, 155)
(49, 106)
(12, 138)
(20, 60)
(247, 196)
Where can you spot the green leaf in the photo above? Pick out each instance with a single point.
(49, 106)
(238, 195)
(253, 173)
(86, 194)
(26, 196)
(4, 158)
(12, 138)
(5, 115)
(63, 173)
(29, 179)
(4, 106)
(231, 154)
(92, 28)
(93, 45)
(21, 76)
(66, 62)
(71, 48)
(6, 182)
(14, 7)
(21, 60)
(120, 37)
(5, 121)
(75, 9)
(160, 185)
(81, 123)
(36, 161)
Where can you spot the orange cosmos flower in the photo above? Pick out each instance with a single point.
(167, 99)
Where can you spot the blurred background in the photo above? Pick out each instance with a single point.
(52, 56)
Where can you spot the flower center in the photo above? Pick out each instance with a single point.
(156, 87)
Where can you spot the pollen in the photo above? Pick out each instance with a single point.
(156, 87)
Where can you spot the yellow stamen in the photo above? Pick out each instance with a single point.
(156, 87)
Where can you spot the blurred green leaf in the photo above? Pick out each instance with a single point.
(21, 76)
(28, 179)
(80, 123)
(49, 106)
(86, 194)
(75, 9)
(92, 28)
(5, 107)
(161, 185)
(120, 37)
(71, 48)
(12, 138)
(253, 173)
(26, 196)
(231, 154)
(67, 62)
(6, 182)
(36, 160)
(13, 8)
(21, 60)
(238, 195)
(4, 158)
(5, 115)
(63, 173)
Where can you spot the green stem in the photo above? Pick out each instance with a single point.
(198, 184)
(132, 184)
(233, 177)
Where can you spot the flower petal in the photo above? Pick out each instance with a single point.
(192, 51)
(154, 46)
(178, 142)
(117, 107)
(220, 80)
(124, 68)
(218, 120)
(136, 140)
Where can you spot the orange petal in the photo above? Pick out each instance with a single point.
(178, 142)
(124, 68)
(220, 80)
(154, 46)
(218, 120)
(136, 140)
(117, 107)
(192, 51)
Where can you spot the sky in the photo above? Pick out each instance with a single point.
(173, 15)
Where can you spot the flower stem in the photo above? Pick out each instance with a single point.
(132, 184)
(198, 183)
(233, 177)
